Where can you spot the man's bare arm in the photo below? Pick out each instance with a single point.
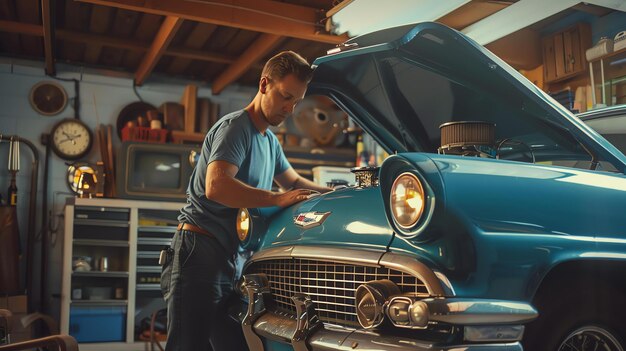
(290, 179)
(224, 188)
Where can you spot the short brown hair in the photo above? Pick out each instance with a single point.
(285, 63)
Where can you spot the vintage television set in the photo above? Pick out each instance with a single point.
(152, 171)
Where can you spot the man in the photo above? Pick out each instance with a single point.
(240, 159)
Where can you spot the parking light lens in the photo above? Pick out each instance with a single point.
(243, 224)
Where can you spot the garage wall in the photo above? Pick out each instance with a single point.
(102, 96)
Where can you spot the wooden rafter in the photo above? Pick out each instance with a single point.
(21, 28)
(196, 39)
(338, 8)
(134, 45)
(265, 16)
(99, 23)
(161, 41)
(48, 35)
(258, 49)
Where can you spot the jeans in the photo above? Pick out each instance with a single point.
(197, 283)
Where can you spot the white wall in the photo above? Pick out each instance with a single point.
(103, 94)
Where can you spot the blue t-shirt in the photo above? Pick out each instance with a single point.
(233, 139)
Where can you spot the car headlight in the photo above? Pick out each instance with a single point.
(407, 200)
(243, 224)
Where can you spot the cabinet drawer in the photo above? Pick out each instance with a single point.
(148, 258)
(100, 230)
(153, 277)
(152, 244)
(162, 232)
(105, 213)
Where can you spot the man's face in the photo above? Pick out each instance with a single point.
(279, 97)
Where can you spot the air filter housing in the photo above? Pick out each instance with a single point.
(469, 138)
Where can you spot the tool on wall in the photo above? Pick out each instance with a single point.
(30, 241)
(14, 167)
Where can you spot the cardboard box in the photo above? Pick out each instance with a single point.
(15, 304)
(18, 332)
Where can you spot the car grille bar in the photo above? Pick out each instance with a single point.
(331, 285)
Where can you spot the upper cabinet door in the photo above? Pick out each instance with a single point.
(564, 52)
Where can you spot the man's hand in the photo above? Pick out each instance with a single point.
(291, 197)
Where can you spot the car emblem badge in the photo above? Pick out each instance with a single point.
(310, 219)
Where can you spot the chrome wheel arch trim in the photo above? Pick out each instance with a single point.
(436, 283)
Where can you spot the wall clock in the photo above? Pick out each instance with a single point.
(71, 139)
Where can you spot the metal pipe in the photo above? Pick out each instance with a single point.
(45, 233)
(30, 241)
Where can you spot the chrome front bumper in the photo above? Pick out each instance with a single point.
(306, 332)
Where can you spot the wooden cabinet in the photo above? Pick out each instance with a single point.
(564, 52)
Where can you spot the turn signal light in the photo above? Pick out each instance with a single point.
(406, 312)
(243, 224)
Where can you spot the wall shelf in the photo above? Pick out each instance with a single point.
(99, 302)
(608, 79)
(97, 242)
(98, 274)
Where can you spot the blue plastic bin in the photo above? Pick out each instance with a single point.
(98, 324)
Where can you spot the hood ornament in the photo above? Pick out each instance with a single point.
(308, 220)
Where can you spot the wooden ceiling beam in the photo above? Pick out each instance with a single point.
(257, 50)
(338, 8)
(265, 16)
(195, 54)
(21, 28)
(49, 41)
(159, 45)
(104, 40)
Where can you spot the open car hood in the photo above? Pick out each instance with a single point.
(401, 84)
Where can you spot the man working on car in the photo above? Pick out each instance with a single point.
(240, 159)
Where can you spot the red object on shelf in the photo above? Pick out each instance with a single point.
(144, 134)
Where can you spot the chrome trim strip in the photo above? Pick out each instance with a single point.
(445, 283)
(334, 254)
(282, 328)
(393, 260)
(479, 311)
(271, 253)
(416, 268)
(368, 258)
(482, 333)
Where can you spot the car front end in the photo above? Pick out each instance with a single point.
(481, 213)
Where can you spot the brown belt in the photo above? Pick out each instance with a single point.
(193, 228)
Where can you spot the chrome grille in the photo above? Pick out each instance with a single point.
(330, 285)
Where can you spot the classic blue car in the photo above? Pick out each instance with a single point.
(469, 237)
(610, 122)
